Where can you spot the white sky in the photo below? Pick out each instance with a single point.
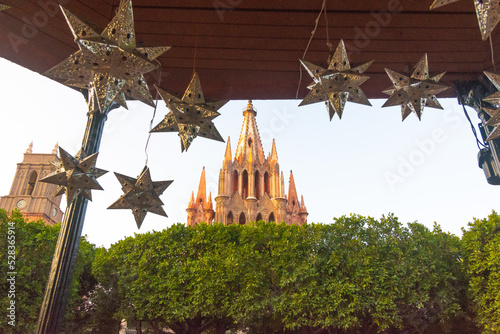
(369, 163)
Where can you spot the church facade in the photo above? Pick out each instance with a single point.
(34, 199)
(251, 186)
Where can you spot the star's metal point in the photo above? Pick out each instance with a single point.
(487, 12)
(414, 92)
(108, 64)
(191, 115)
(336, 85)
(494, 113)
(142, 195)
(75, 176)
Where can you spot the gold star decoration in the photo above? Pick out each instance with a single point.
(413, 92)
(141, 195)
(487, 12)
(75, 176)
(336, 85)
(3, 7)
(190, 116)
(108, 64)
(494, 98)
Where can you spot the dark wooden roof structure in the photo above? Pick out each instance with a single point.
(249, 49)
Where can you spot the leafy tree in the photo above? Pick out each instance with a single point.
(481, 244)
(34, 244)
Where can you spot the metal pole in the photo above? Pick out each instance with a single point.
(63, 264)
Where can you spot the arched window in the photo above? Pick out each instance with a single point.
(271, 217)
(244, 191)
(266, 184)
(31, 183)
(256, 183)
(259, 217)
(230, 218)
(235, 183)
(242, 219)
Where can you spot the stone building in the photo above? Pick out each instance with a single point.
(34, 199)
(251, 186)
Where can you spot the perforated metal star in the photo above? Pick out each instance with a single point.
(190, 116)
(141, 195)
(487, 12)
(75, 176)
(494, 113)
(108, 64)
(413, 92)
(336, 85)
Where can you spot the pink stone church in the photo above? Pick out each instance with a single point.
(251, 186)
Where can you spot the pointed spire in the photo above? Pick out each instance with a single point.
(249, 138)
(227, 156)
(191, 201)
(274, 153)
(292, 191)
(30, 148)
(209, 204)
(302, 204)
(201, 196)
(56, 148)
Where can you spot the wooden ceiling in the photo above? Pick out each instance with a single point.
(249, 49)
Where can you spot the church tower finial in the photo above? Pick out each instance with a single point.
(227, 156)
(30, 148)
(56, 147)
(249, 138)
(201, 196)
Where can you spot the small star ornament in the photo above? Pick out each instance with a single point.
(494, 98)
(487, 12)
(413, 92)
(336, 85)
(190, 116)
(142, 195)
(75, 176)
(109, 64)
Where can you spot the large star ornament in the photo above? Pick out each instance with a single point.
(108, 64)
(487, 12)
(413, 92)
(190, 116)
(141, 195)
(336, 85)
(494, 98)
(75, 176)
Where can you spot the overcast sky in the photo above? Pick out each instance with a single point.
(369, 163)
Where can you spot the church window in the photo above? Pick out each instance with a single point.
(242, 219)
(249, 142)
(266, 184)
(31, 183)
(257, 185)
(244, 191)
(235, 183)
(230, 218)
(271, 217)
(259, 217)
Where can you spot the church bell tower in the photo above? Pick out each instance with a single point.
(34, 199)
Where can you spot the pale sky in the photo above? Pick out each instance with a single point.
(368, 163)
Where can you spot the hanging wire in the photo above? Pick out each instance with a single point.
(492, 55)
(474, 132)
(308, 44)
(154, 114)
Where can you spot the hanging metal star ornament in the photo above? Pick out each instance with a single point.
(413, 92)
(190, 116)
(109, 64)
(494, 113)
(75, 176)
(487, 12)
(142, 195)
(336, 85)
